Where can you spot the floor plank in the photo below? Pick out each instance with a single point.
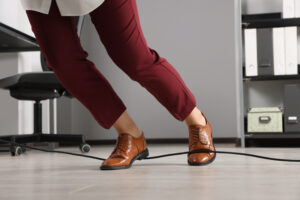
(38, 175)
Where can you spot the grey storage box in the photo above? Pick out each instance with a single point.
(291, 107)
(265, 120)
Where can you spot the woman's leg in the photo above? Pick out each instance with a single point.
(118, 26)
(125, 124)
(60, 44)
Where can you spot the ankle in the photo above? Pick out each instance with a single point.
(202, 120)
(125, 124)
(135, 132)
(196, 118)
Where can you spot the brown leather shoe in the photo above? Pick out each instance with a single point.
(200, 138)
(127, 150)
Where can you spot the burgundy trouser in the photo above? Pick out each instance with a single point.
(118, 26)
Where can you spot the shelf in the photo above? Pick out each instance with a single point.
(275, 135)
(271, 77)
(261, 16)
(272, 139)
(269, 20)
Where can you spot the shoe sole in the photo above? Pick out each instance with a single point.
(204, 163)
(140, 156)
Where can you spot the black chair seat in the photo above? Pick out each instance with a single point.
(33, 80)
(34, 86)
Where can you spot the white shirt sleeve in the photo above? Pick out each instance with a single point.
(42, 6)
(66, 7)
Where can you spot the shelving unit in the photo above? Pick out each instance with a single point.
(271, 23)
(271, 78)
(270, 20)
(271, 138)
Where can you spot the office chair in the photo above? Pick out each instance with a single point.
(34, 86)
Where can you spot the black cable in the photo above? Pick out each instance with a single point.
(50, 151)
(154, 157)
(223, 152)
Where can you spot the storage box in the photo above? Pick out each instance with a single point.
(265, 58)
(267, 119)
(292, 107)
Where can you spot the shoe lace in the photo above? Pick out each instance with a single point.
(120, 145)
(195, 135)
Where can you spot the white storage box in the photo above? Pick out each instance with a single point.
(268, 119)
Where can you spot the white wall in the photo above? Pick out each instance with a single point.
(17, 116)
(200, 39)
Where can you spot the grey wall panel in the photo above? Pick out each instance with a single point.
(200, 39)
(64, 115)
(9, 122)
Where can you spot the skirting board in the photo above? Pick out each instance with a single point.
(227, 140)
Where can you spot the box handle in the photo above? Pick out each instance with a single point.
(264, 119)
(292, 119)
(265, 65)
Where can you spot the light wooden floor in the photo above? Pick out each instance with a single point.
(38, 175)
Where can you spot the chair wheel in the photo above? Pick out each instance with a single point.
(16, 151)
(85, 148)
(23, 149)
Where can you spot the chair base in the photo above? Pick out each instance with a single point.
(16, 150)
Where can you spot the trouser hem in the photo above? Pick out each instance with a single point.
(114, 118)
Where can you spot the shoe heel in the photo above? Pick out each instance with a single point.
(143, 155)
